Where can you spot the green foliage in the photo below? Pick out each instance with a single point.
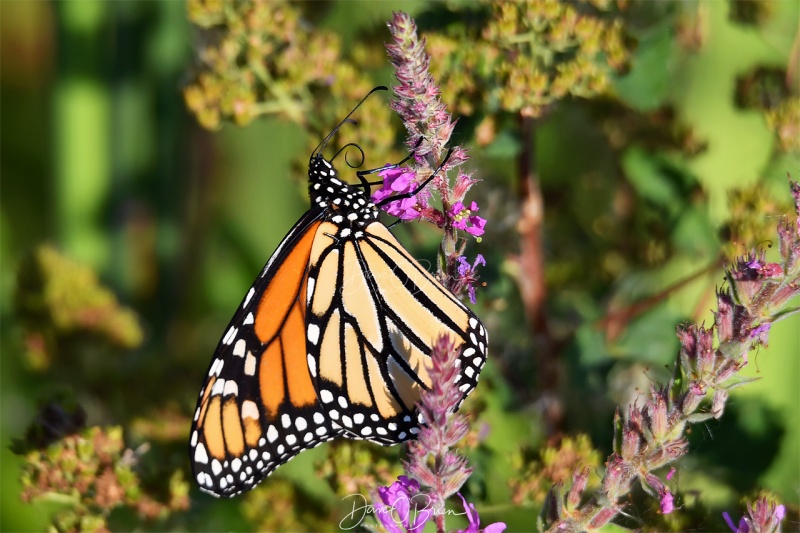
(91, 474)
(526, 56)
(258, 58)
(661, 134)
(59, 302)
(551, 465)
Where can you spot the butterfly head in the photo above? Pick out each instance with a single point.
(345, 204)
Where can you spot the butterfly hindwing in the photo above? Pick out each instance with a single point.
(371, 338)
(259, 408)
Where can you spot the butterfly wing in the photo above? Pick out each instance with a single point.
(373, 315)
(258, 407)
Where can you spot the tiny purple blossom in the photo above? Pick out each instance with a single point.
(761, 329)
(398, 511)
(670, 473)
(463, 184)
(475, 521)
(464, 219)
(468, 275)
(398, 180)
(754, 263)
(395, 180)
(404, 209)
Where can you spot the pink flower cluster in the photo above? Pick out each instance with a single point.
(402, 181)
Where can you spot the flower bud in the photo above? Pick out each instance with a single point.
(718, 403)
(635, 419)
(728, 369)
(603, 517)
(652, 481)
(579, 479)
(666, 454)
(630, 443)
(785, 293)
(553, 507)
(657, 408)
(705, 352)
(618, 477)
(692, 397)
(765, 515)
(723, 318)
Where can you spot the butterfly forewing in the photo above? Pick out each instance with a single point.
(259, 407)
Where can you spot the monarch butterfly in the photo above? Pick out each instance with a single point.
(333, 339)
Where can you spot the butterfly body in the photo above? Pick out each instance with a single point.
(332, 340)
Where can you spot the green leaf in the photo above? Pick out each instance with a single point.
(651, 337)
(694, 233)
(648, 83)
(646, 173)
(591, 344)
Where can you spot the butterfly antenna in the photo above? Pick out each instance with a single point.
(363, 173)
(345, 147)
(321, 146)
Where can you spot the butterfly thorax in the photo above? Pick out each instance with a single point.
(344, 204)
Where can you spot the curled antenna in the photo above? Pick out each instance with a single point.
(345, 147)
(321, 146)
(362, 174)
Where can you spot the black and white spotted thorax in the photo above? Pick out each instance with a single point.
(347, 206)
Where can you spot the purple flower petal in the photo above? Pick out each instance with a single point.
(463, 265)
(762, 328)
(780, 512)
(457, 208)
(471, 294)
(475, 521)
(464, 219)
(728, 520)
(478, 224)
(667, 502)
(472, 516)
(386, 518)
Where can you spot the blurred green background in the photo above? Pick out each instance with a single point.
(101, 159)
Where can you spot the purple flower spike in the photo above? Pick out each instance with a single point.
(475, 521)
